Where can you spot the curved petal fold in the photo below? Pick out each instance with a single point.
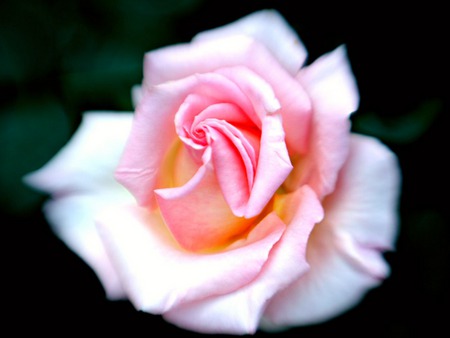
(234, 164)
(258, 91)
(151, 137)
(332, 88)
(158, 275)
(239, 312)
(330, 82)
(198, 215)
(274, 165)
(345, 249)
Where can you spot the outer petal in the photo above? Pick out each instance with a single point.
(330, 83)
(72, 219)
(367, 193)
(159, 275)
(269, 28)
(87, 162)
(136, 95)
(345, 249)
(239, 312)
(151, 136)
(84, 169)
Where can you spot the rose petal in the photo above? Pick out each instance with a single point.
(151, 136)
(197, 213)
(239, 312)
(234, 163)
(175, 62)
(153, 131)
(190, 118)
(158, 275)
(345, 249)
(331, 84)
(371, 177)
(232, 169)
(274, 165)
(81, 181)
(136, 95)
(319, 167)
(332, 88)
(214, 88)
(72, 220)
(258, 91)
(228, 112)
(269, 28)
(87, 162)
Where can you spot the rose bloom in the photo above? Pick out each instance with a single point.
(234, 197)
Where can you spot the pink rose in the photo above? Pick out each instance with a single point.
(248, 202)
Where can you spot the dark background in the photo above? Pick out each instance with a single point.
(60, 58)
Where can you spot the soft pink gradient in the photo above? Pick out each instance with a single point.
(239, 312)
(345, 249)
(242, 200)
(160, 276)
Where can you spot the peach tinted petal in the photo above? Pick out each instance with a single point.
(330, 83)
(269, 28)
(345, 250)
(158, 275)
(239, 312)
(198, 215)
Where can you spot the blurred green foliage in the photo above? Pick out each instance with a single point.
(31, 131)
(399, 128)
